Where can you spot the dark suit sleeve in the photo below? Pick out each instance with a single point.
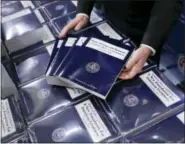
(85, 6)
(163, 16)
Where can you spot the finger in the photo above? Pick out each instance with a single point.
(131, 63)
(68, 27)
(80, 25)
(123, 75)
(131, 74)
(128, 75)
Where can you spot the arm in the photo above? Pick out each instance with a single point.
(84, 9)
(85, 6)
(163, 16)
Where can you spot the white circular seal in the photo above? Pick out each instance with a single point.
(43, 93)
(131, 100)
(93, 67)
(59, 7)
(181, 63)
(33, 62)
(58, 135)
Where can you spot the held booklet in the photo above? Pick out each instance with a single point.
(138, 101)
(95, 65)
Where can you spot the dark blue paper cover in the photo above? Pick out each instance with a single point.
(32, 65)
(20, 25)
(11, 119)
(97, 70)
(173, 64)
(39, 99)
(59, 8)
(60, 52)
(5, 2)
(138, 101)
(84, 122)
(170, 130)
(11, 8)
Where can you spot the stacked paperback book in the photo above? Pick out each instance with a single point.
(91, 63)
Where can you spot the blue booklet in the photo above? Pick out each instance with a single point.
(137, 101)
(38, 99)
(5, 2)
(58, 56)
(11, 8)
(12, 122)
(31, 65)
(86, 122)
(63, 46)
(20, 26)
(173, 64)
(58, 8)
(170, 130)
(102, 58)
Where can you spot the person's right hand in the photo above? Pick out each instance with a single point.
(76, 24)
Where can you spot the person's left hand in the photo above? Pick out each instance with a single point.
(135, 63)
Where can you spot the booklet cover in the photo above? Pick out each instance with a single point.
(136, 102)
(173, 64)
(32, 64)
(103, 59)
(38, 99)
(11, 8)
(27, 22)
(11, 119)
(63, 47)
(4, 2)
(29, 68)
(170, 130)
(60, 45)
(83, 122)
(20, 27)
(59, 8)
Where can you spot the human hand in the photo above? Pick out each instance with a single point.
(135, 64)
(77, 23)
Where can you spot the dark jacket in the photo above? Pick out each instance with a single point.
(147, 22)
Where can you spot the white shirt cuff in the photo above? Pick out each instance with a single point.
(83, 14)
(147, 46)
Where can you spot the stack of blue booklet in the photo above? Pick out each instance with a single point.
(88, 61)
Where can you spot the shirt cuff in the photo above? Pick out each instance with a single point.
(83, 14)
(147, 46)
